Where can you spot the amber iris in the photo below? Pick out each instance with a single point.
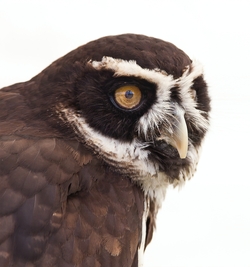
(128, 96)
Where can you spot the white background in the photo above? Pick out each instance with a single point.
(207, 222)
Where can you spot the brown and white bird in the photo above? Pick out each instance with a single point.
(88, 148)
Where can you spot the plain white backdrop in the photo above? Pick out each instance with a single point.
(207, 222)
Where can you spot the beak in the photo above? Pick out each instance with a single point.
(180, 135)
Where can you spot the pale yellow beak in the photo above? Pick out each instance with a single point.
(180, 136)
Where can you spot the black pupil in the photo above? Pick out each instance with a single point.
(129, 94)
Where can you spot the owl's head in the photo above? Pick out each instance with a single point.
(139, 103)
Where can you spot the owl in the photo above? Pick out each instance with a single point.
(88, 148)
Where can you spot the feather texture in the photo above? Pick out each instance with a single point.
(82, 179)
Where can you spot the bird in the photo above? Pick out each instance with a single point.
(89, 146)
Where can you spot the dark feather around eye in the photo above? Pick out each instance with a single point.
(175, 94)
(202, 98)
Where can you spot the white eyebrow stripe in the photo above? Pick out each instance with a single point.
(160, 77)
(131, 68)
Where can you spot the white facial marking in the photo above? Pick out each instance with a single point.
(132, 158)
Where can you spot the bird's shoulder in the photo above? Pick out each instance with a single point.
(29, 165)
(63, 201)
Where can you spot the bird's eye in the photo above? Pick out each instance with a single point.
(128, 96)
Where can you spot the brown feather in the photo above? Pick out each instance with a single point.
(60, 218)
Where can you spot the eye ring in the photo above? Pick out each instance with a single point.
(128, 97)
